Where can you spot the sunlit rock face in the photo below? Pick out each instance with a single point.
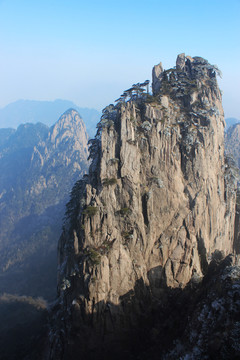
(158, 201)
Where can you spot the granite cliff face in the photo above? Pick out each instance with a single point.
(159, 200)
(39, 166)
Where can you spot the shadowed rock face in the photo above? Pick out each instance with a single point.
(212, 329)
(158, 201)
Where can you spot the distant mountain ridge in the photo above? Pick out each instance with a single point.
(46, 112)
(230, 122)
(232, 142)
(38, 167)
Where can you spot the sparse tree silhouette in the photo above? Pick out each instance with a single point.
(134, 93)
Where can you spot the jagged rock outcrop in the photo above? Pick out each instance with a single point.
(39, 166)
(158, 201)
(180, 63)
(156, 76)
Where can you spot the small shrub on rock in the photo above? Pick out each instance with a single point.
(93, 256)
(109, 181)
(90, 210)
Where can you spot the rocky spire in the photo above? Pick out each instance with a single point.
(158, 201)
(156, 77)
(180, 63)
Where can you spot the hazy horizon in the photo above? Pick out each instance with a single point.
(50, 101)
(88, 53)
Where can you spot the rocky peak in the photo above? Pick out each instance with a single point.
(70, 122)
(158, 201)
(190, 74)
(156, 76)
(180, 63)
(69, 129)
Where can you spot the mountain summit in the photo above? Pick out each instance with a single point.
(158, 202)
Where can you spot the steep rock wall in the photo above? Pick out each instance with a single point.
(158, 201)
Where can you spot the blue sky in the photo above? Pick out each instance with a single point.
(90, 51)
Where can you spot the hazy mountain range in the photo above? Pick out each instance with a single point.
(230, 122)
(232, 142)
(38, 167)
(46, 112)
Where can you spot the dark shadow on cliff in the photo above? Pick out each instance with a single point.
(142, 326)
(146, 326)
